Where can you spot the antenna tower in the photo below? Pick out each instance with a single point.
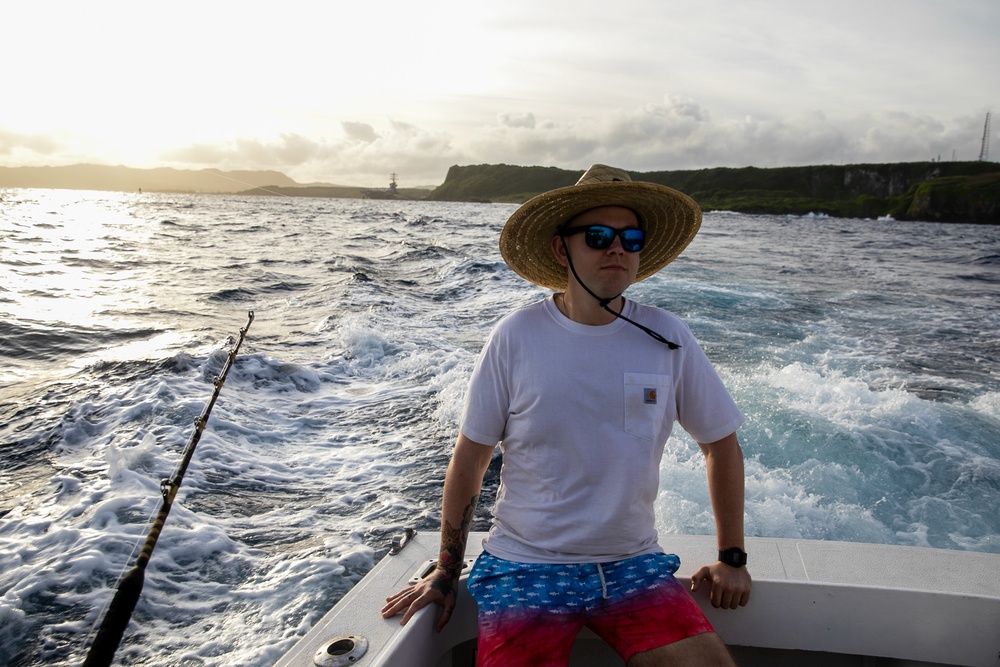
(984, 152)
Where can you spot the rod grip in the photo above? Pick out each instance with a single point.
(102, 651)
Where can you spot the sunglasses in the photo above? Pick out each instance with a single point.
(600, 237)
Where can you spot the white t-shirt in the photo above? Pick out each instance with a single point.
(582, 414)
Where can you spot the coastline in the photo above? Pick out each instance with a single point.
(957, 192)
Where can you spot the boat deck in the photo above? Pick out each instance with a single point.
(823, 604)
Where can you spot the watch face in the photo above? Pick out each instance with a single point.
(733, 556)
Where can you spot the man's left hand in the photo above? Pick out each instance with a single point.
(729, 587)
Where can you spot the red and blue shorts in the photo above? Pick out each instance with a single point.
(530, 613)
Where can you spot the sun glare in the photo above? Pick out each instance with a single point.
(74, 262)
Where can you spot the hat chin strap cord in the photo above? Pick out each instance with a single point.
(604, 304)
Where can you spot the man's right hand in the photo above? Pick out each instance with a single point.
(462, 484)
(439, 587)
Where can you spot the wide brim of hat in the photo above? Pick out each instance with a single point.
(670, 218)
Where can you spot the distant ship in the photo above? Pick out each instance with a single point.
(382, 193)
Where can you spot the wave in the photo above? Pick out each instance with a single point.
(46, 340)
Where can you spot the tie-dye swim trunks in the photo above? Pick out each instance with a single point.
(530, 613)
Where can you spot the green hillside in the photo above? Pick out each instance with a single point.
(939, 191)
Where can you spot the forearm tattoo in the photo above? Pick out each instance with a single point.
(453, 542)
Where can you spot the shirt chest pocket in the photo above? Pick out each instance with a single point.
(649, 405)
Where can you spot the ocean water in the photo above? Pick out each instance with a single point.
(865, 355)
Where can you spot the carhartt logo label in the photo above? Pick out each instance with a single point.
(649, 396)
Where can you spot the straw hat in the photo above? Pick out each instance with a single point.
(670, 219)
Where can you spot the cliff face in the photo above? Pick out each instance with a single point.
(882, 183)
(501, 183)
(934, 191)
(973, 199)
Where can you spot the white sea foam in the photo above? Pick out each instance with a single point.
(335, 425)
(988, 404)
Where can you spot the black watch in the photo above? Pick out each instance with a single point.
(733, 556)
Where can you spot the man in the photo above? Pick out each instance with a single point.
(581, 390)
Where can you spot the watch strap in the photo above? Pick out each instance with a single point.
(733, 556)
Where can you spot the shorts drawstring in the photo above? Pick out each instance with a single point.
(604, 586)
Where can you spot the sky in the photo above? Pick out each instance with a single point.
(349, 93)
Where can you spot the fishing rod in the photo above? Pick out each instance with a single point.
(102, 651)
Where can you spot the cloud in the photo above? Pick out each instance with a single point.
(522, 82)
(517, 120)
(418, 155)
(916, 136)
(679, 133)
(287, 150)
(656, 135)
(12, 143)
(361, 155)
(359, 131)
(675, 132)
(671, 134)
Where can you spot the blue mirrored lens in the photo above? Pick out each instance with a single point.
(600, 237)
(632, 239)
